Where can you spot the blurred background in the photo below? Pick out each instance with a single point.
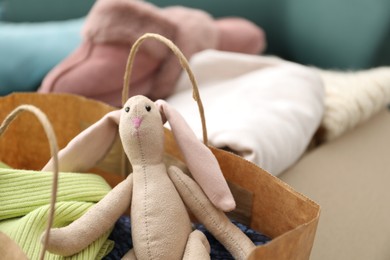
(336, 34)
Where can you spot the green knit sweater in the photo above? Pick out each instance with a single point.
(24, 207)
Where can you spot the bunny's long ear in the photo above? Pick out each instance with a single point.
(90, 146)
(200, 160)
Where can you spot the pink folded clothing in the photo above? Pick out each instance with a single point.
(96, 68)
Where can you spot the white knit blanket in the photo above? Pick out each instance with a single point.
(263, 108)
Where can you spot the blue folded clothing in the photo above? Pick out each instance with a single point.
(121, 235)
(28, 51)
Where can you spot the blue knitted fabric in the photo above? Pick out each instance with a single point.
(121, 235)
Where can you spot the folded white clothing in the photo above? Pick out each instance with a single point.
(264, 109)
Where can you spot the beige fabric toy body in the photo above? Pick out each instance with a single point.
(157, 196)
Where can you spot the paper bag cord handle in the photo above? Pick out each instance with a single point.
(54, 153)
(183, 62)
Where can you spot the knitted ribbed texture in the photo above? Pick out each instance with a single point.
(353, 97)
(24, 206)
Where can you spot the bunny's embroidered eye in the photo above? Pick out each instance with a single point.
(148, 108)
(127, 109)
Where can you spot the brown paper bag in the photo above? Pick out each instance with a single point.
(264, 202)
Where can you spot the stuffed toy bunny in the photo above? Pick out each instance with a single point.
(157, 196)
(96, 67)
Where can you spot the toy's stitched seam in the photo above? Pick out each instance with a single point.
(207, 214)
(146, 217)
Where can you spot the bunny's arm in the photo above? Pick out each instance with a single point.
(94, 223)
(90, 146)
(215, 220)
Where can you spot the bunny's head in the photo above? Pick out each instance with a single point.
(141, 131)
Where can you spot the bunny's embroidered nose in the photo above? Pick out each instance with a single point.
(136, 122)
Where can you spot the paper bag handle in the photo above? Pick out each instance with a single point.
(183, 62)
(54, 153)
